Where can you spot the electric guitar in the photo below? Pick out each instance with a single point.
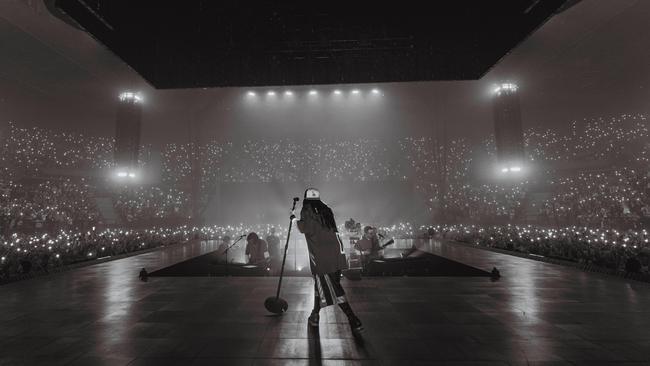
(390, 242)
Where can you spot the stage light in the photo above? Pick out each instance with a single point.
(313, 92)
(131, 175)
(288, 93)
(270, 93)
(122, 174)
(375, 91)
(251, 94)
(130, 96)
(355, 91)
(505, 87)
(337, 92)
(512, 169)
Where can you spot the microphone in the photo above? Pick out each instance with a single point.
(381, 236)
(296, 199)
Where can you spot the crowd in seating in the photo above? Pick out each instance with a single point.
(627, 250)
(618, 250)
(46, 205)
(151, 202)
(24, 253)
(281, 161)
(35, 149)
(35, 201)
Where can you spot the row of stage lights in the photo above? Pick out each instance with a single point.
(311, 93)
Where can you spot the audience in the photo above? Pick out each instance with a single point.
(588, 213)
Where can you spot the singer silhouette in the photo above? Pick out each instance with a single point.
(326, 257)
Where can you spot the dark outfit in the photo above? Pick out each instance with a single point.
(256, 249)
(221, 250)
(326, 259)
(274, 251)
(370, 245)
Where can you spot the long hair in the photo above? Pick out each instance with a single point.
(321, 212)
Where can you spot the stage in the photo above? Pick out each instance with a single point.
(399, 260)
(537, 313)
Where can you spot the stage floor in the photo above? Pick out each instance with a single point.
(538, 313)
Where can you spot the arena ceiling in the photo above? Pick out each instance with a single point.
(207, 43)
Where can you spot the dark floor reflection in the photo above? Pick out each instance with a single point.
(315, 354)
(537, 313)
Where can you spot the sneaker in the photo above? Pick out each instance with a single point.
(314, 318)
(355, 324)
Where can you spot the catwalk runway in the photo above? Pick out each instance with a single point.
(538, 313)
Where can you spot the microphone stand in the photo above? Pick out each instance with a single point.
(227, 249)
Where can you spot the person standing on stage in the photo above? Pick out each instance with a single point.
(225, 244)
(255, 249)
(326, 257)
(273, 242)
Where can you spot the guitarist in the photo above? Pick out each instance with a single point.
(368, 245)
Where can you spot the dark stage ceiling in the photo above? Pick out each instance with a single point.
(210, 43)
